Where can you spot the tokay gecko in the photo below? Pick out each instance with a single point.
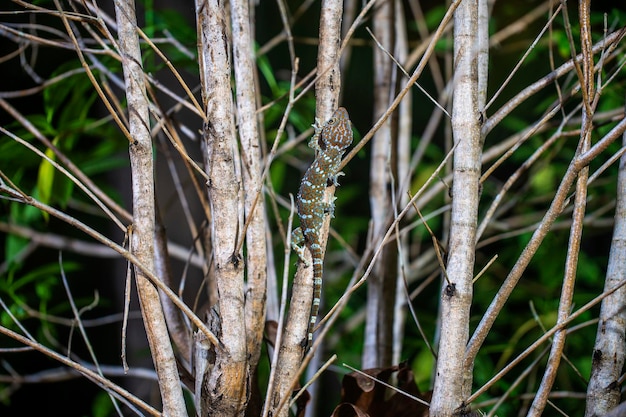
(329, 141)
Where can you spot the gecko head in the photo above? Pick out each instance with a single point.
(337, 132)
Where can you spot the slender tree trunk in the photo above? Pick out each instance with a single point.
(327, 88)
(452, 383)
(142, 239)
(603, 391)
(403, 152)
(381, 285)
(225, 386)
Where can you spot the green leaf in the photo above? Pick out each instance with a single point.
(433, 16)
(422, 368)
(14, 246)
(175, 23)
(47, 275)
(102, 406)
(17, 311)
(14, 157)
(301, 121)
(45, 180)
(266, 70)
(21, 215)
(43, 289)
(544, 180)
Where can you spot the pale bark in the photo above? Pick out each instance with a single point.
(178, 329)
(483, 54)
(381, 285)
(452, 384)
(482, 68)
(248, 123)
(328, 83)
(603, 391)
(225, 385)
(142, 239)
(403, 152)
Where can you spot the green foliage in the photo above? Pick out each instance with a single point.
(161, 23)
(30, 284)
(102, 405)
(561, 44)
(67, 104)
(433, 17)
(89, 144)
(543, 180)
(422, 367)
(15, 244)
(46, 179)
(265, 68)
(34, 288)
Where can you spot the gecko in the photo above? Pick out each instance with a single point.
(329, 142)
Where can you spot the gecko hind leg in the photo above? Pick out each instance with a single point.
(329, 208)
(297, 240)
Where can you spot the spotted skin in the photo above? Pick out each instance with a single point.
(330, 142)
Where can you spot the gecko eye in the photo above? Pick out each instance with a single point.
(332, 121)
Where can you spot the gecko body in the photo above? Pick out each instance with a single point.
(330, 142)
